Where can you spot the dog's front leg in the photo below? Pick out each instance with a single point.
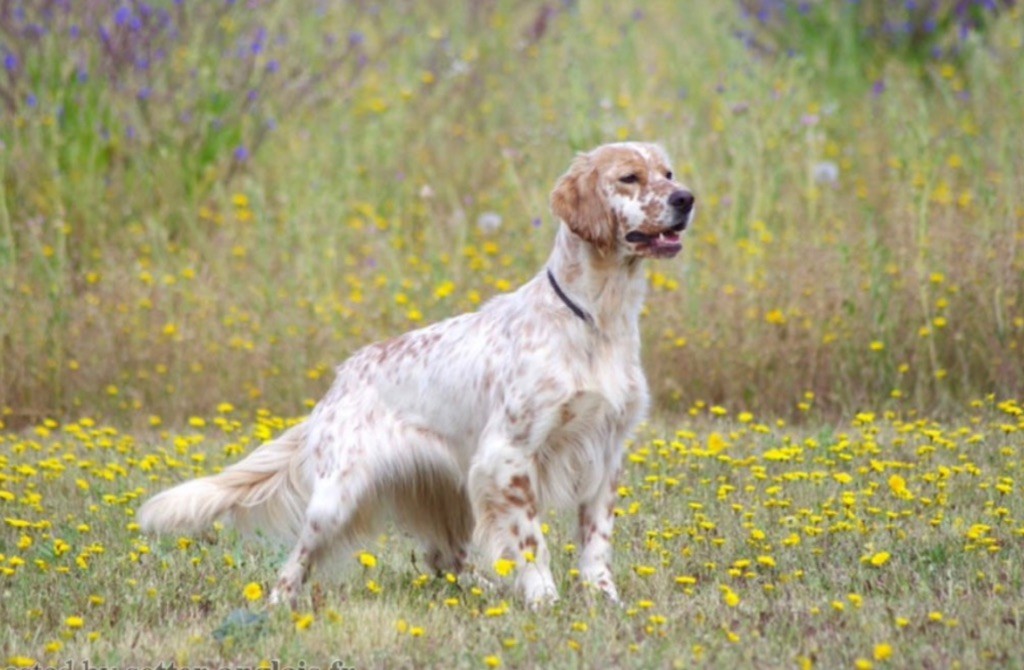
(596, 519)
(503, 490)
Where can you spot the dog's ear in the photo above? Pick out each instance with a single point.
(576, 201)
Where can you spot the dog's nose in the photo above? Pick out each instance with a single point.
(681, 200)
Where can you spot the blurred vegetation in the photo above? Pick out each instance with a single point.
(848, 44)
(217, 202)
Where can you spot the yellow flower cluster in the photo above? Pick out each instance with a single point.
(723, 514)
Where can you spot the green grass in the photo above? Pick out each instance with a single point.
(815, 354)
(739, 543)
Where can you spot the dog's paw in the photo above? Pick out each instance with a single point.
(541, 599)
(602, 581)
(538, 588)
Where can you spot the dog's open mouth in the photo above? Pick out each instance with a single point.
(664, 244)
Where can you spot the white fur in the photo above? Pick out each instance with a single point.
(471, 427)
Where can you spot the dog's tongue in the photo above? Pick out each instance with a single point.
(669, 240)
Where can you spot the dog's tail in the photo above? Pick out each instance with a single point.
(267, 490)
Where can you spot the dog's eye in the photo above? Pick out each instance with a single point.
(630, 179)
(668, 175)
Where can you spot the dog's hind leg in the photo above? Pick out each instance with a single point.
(338, 512)
(341, 506)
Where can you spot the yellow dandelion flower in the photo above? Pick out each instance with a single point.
(883, 651)
(367, 560)
(252, 591)
(504, 567)
(74, 622)
(500, 610)
(303, 622)
(492, 661)
(880, 559)
(898, 486)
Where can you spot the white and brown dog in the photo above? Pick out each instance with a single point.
(469, 428)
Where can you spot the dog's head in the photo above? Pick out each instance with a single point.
(623, 198)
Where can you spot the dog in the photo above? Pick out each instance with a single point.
(468, 429)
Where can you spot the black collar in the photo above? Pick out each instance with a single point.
(576, 309)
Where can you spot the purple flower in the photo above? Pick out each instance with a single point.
(241, 153)
(258, 41)
(535, 222)
(31, 100)
(10, 62)
(878, 88)
(123, 15)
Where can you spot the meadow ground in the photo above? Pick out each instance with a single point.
(885, 542)
(205, 206)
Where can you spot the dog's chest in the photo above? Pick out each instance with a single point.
(585, 447)
(609, 380)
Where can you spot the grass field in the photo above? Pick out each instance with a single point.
(884, 542)
(204, 207)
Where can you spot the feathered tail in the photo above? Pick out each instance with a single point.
(268, 490)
